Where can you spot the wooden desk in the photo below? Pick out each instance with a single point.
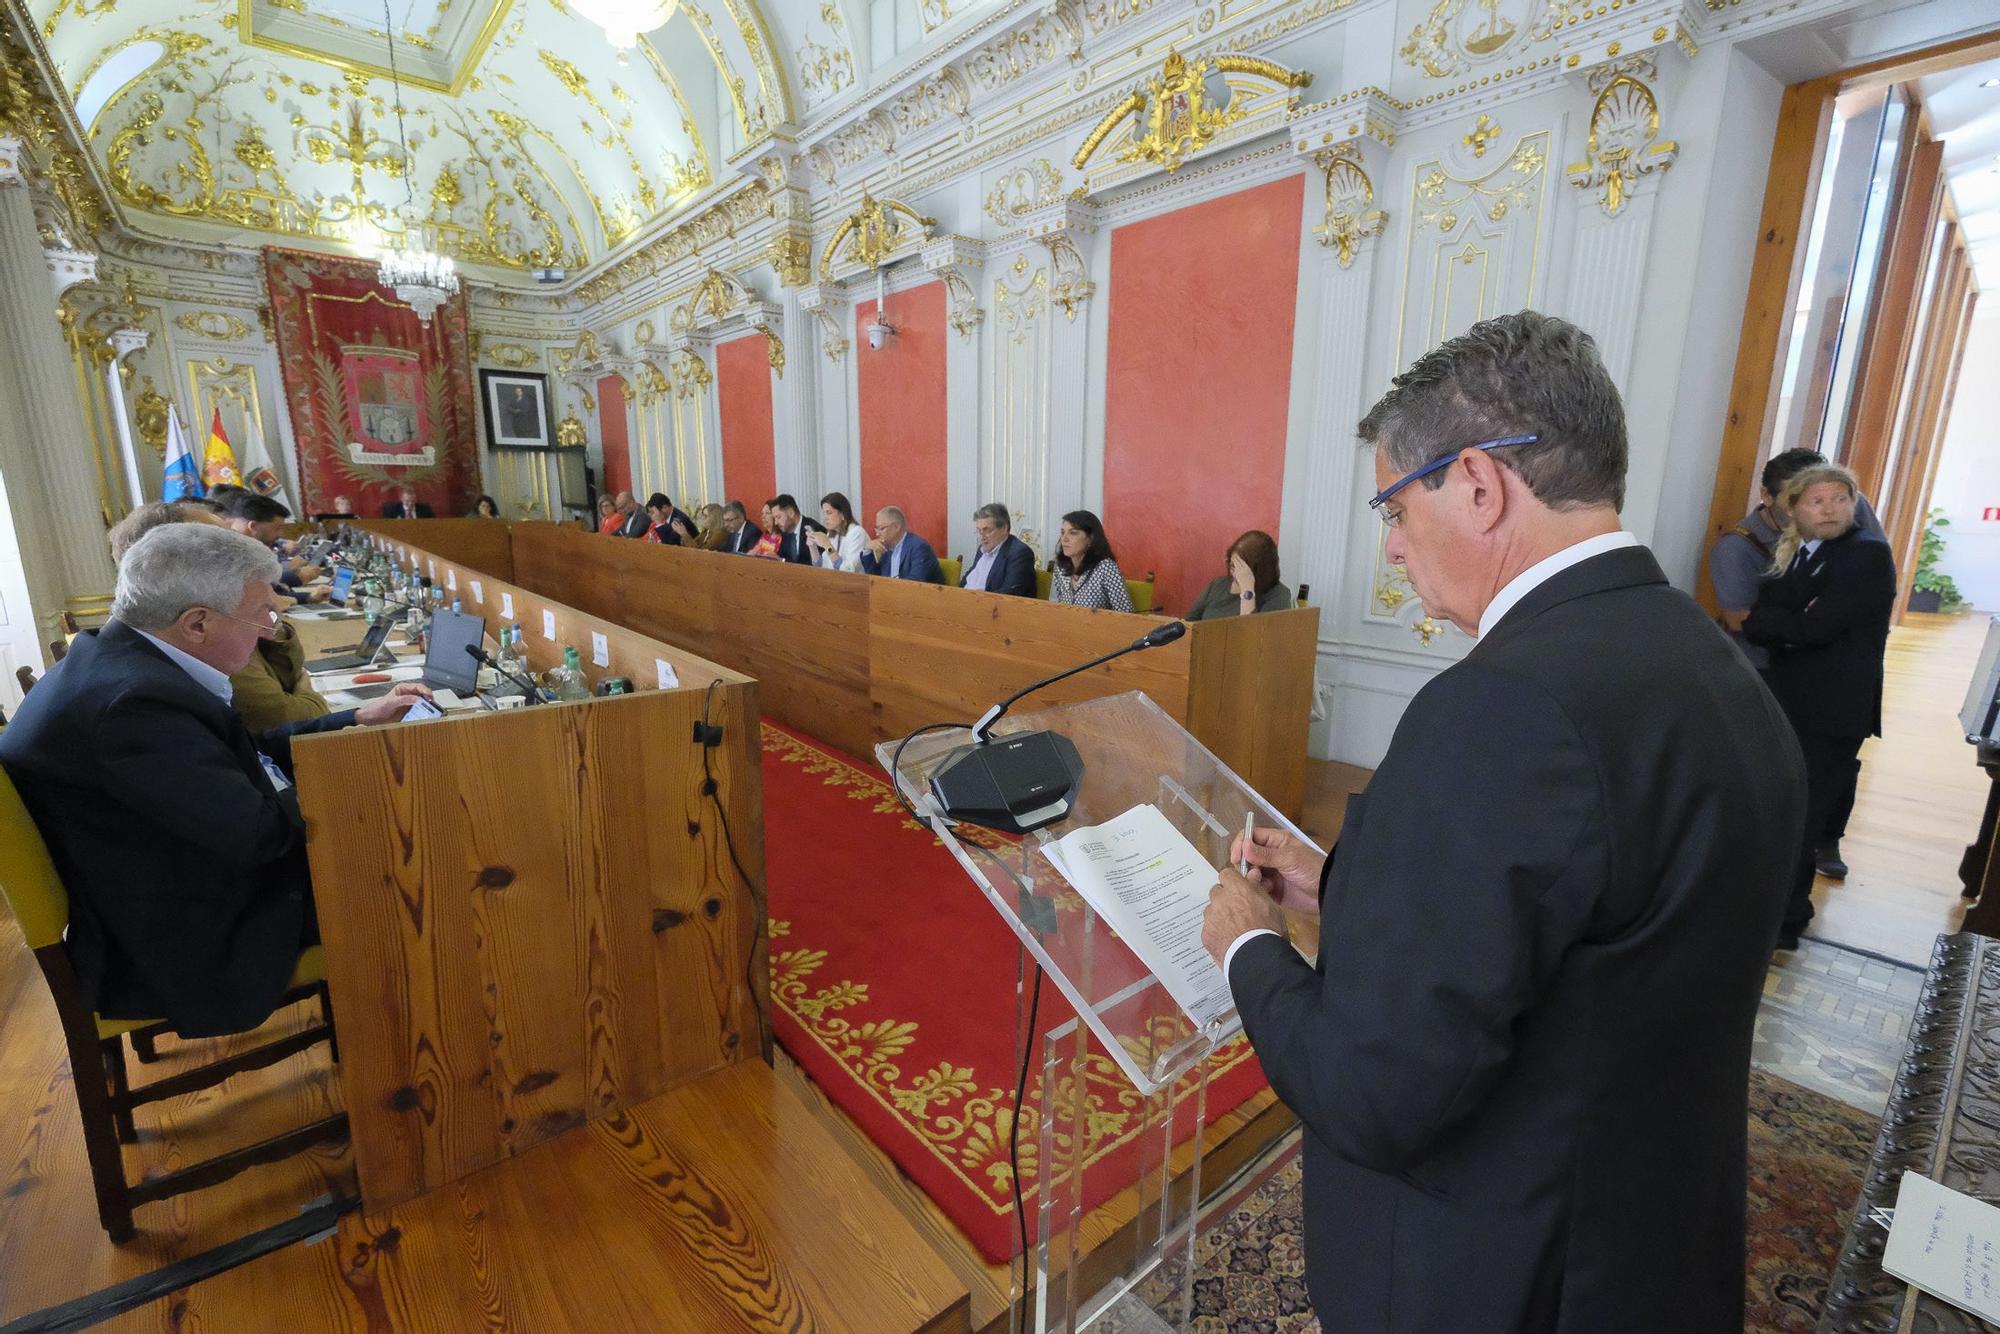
(1939, 1123)
(852, 660)
(534, 918)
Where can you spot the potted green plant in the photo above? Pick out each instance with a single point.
(1931, 589)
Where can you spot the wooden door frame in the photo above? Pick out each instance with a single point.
(1797, 152)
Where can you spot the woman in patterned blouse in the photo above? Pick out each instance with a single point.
(1085, 574)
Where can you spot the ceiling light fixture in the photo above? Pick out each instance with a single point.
(418, 275)
(624, 20)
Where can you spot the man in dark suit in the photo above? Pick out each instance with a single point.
(635, 523)
(1522, 1056)
(793, 527)
(669, 525)
(898, 553)
(743, 534)
(1003, 563)
(407, 506)
(1825, 622)
(174, 828)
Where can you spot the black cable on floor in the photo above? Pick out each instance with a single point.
(709, 790)
(105, 1303)
(1014, 1130)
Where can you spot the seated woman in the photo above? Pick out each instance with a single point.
(710, 535)
(1251, 584)
(1086, 575)
(489, 508)
(841, 545)
(609, 519)
(767, 545)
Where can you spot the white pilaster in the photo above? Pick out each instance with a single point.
(46, 456)
(125, 342)
(1067, 230)
(957, 263)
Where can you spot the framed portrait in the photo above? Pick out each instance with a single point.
(519, 414)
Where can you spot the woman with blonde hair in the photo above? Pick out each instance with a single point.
(710, 535)
(1824, 615)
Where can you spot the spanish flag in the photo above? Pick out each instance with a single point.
(218, 460)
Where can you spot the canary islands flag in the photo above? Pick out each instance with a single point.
(218, 460)
(181, 482)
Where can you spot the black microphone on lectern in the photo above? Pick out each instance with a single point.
(1025, 780)
(485, 659)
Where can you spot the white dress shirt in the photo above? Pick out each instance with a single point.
(1522, 584)
(216, 683)
(982, 567)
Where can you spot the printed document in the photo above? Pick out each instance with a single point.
(1148, 883)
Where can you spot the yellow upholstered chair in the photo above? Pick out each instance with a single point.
(104, 1095)
(1139, 590)
(954, 570)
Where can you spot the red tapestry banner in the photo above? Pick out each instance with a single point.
(379, 400)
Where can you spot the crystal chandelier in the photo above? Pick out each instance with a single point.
(624, 20)
(421, 278)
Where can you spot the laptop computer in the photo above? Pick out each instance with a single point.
(360, 655)
(447, 666)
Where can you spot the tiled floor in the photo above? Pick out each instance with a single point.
(1835, 1020)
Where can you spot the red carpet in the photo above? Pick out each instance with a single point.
(892, 984)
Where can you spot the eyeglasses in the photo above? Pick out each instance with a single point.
(266, 627)
(1394, 517)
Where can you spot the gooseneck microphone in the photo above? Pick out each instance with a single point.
(1165, 634)
(485, 659)
(1026, 780)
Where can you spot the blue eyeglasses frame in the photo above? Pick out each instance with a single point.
(1445, 461)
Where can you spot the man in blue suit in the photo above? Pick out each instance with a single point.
(899, 553)
(1003, 563)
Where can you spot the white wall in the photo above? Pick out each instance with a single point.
(1968, 477)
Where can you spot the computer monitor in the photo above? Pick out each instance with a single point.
(447, 666)
(343, 581)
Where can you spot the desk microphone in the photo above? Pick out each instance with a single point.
(1024, 781)
(485, 659)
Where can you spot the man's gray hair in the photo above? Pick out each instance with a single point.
(144, 520)
(182, 565)
(996, 512)
(1520, 374)
(893, 515)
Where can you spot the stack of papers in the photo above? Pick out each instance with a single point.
(1150, 885)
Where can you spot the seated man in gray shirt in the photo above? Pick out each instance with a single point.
(1740, 560)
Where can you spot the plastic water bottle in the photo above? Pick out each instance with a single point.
(567, 680)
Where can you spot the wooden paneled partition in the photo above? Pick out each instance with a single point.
(853, 660)
(533, 918)
(482, 544)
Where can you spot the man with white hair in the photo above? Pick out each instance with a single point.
(1522, 1055)
(175, 829)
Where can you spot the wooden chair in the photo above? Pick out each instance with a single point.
(104, 1095)
(25, 678)
(70, 629)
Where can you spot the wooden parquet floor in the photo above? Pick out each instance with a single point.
(1919, 800)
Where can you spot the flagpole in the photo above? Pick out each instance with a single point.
(122, 414)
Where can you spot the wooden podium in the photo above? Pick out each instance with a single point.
(534, 918)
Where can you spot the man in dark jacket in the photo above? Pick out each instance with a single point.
(792, 528)
(1522, 1056)
(898, 553)
(174, 828)
(1003, 563)
(743, 534)
(1825, 622)
(407, 506)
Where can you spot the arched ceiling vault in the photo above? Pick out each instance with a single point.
(532, 142)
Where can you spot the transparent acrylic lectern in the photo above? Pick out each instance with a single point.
(1153, 1086)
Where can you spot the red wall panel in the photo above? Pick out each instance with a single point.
(1198, 382)
(902, 409)
(749, 460)
(611, 427)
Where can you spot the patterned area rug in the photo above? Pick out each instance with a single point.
(1808, 1153)
(893, 986)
